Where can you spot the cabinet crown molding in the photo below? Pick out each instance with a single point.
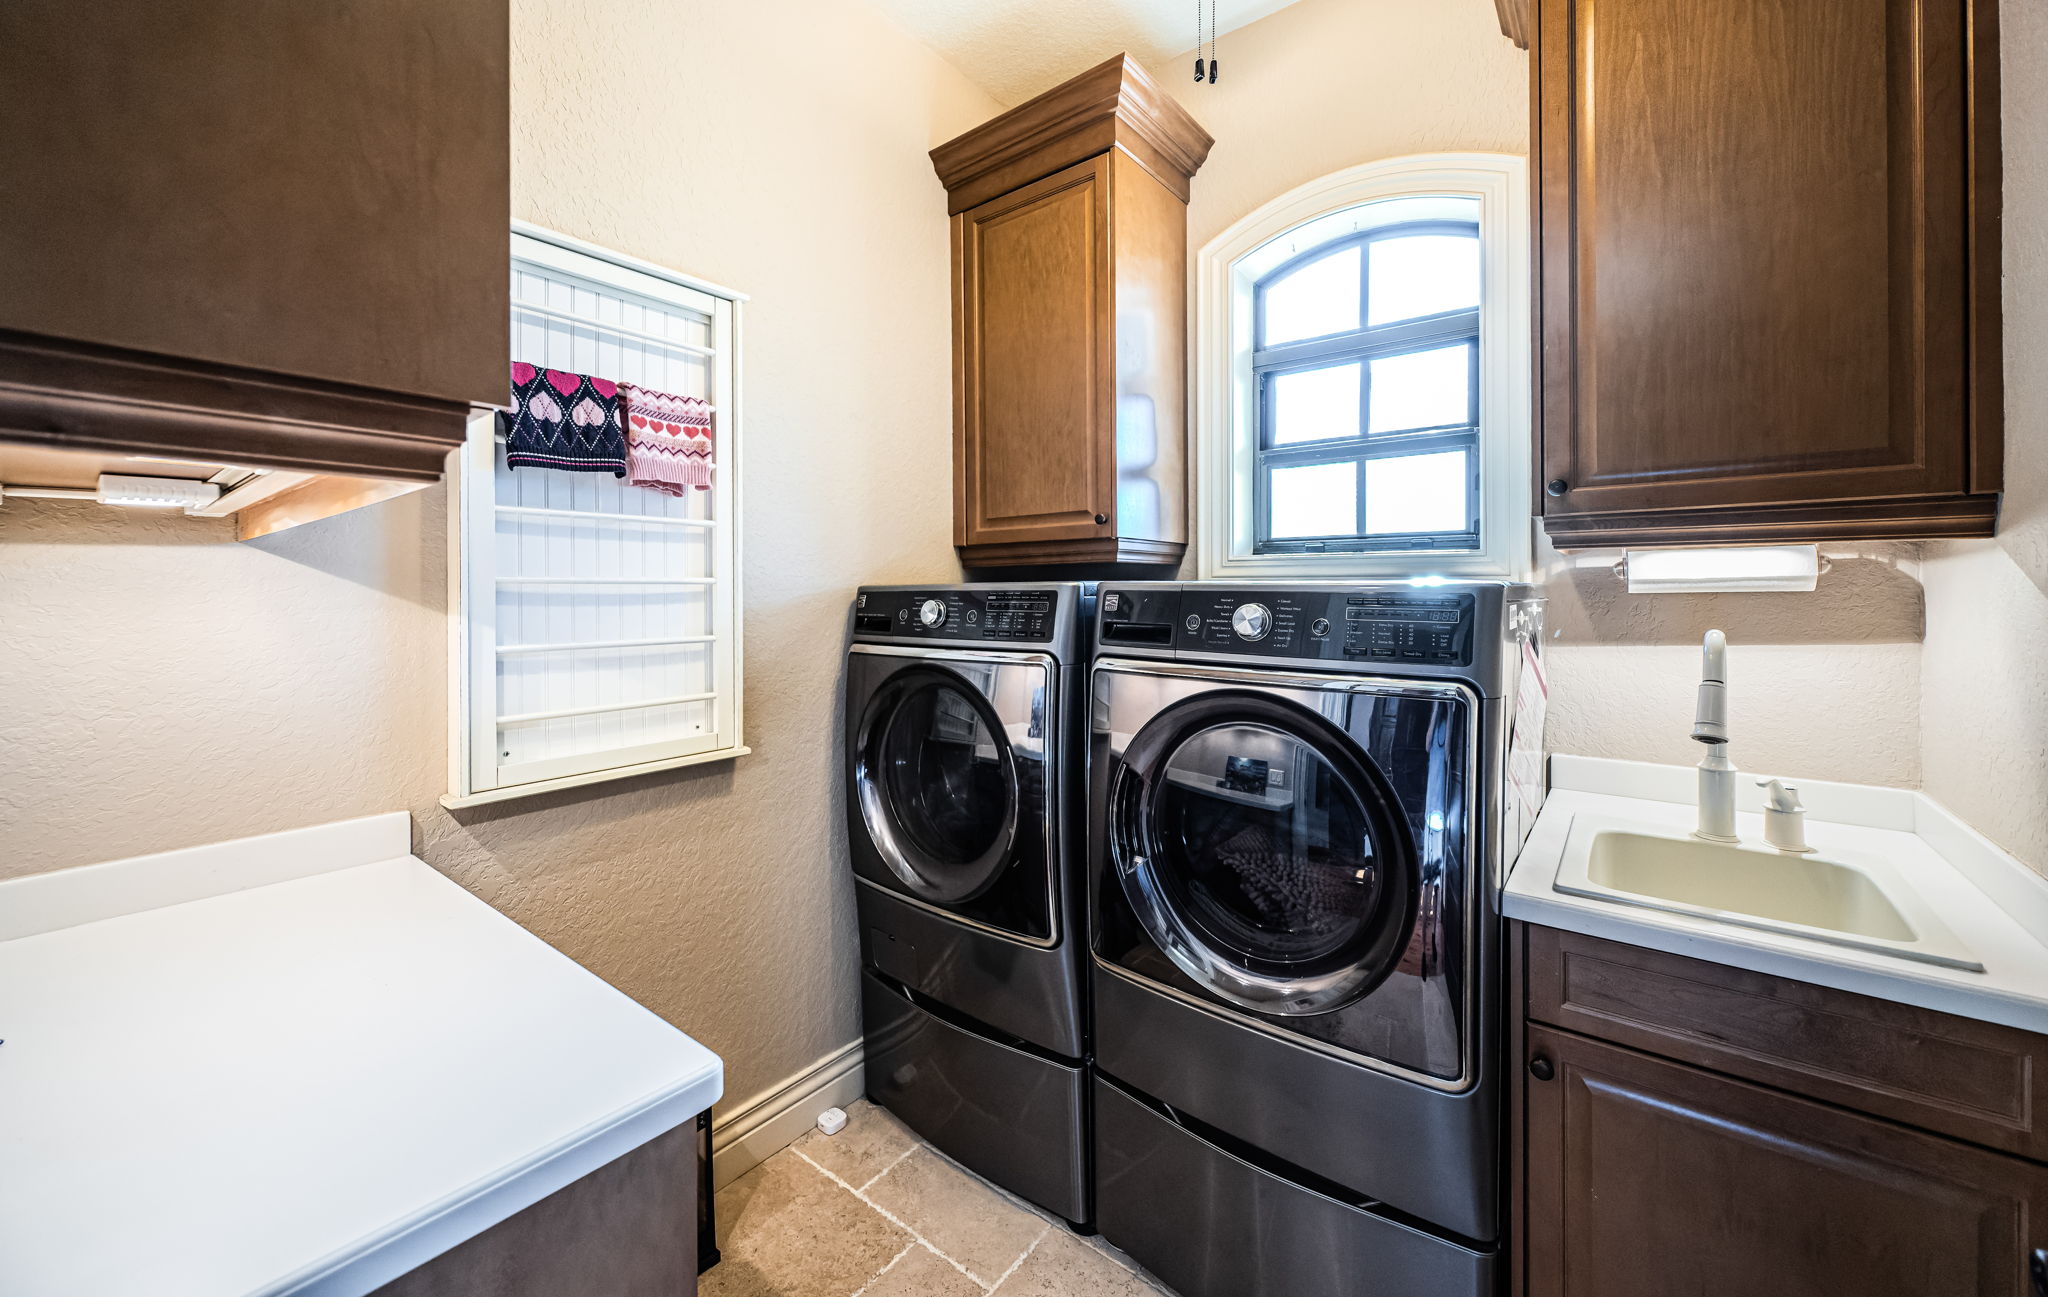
(1115, 104)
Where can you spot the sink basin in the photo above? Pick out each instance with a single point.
(1859, 902)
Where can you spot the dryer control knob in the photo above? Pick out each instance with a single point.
(1252, 621)
(932, 612)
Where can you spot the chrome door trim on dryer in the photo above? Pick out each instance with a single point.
(1103, 841)
(875, 819)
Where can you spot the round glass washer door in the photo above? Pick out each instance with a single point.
(937, 784)
(1263, 855)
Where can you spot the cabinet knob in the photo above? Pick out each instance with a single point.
(1541, 1069)
(1556, 486)
(1102, 520)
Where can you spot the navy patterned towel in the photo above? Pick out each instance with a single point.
(564, 420)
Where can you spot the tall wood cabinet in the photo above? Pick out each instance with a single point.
(1768, 269)
(1691, 1130)
(1069, 324)
(270, 233)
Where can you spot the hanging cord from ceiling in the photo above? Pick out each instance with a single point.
(1205, 69)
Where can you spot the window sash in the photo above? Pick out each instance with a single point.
(1362, 347)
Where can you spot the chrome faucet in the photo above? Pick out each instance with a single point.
(1710, 726)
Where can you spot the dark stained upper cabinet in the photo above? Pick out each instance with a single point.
(1069, 324)
(273, 233)
(1768, 269)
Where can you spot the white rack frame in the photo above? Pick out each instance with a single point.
(475, 776)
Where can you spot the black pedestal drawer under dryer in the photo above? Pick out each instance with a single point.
(963, 747)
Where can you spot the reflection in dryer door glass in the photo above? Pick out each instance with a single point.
(942, 772)
(1266, 851)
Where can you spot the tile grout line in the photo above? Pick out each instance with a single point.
(893, 1219)
(891, 1167)
(908, 1248)
(1005, 1278)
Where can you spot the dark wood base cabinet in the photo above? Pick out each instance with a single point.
(628, 1229)
(1689, 1130)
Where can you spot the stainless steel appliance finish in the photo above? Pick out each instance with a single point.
(1293, 864)
(963, 757)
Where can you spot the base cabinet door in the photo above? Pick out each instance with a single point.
(1649, 1177)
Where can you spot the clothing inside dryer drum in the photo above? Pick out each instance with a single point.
(943, 776)
(1266, 851)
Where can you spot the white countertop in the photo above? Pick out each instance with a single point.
(304, 1063)
(1992, 902)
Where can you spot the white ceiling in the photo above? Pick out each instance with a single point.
(1017, 48)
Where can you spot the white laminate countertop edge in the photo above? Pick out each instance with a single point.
(275, 1067)
(1993, 902)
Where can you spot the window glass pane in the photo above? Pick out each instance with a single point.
(1316, 404)
(1315, 500)
(1422, 389)
(1406, 493)
(1423, 274)
(1321, 297)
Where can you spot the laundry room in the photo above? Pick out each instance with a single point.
(881, 648)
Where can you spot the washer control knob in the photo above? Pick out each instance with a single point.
(932, 612)
(1251, 621)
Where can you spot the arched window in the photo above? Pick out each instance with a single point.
(1362, 404)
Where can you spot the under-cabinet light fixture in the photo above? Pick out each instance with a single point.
(1739, 568)
(116, 488)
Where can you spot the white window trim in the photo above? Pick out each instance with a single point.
(1226, 428)
(471, 521)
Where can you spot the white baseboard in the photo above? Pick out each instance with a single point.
(749, 1133)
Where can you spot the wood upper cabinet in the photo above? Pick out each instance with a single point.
(1069, 324)
(275, 234)
(1768, 269)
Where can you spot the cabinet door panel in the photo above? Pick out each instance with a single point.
(313, 190)
(1754, 252)
(1036, 454)
(1652, 1177)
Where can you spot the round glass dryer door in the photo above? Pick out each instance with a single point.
(937, 785)
(1263, 856)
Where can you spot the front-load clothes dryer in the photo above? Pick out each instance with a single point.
(1294, 845)
(964, 746)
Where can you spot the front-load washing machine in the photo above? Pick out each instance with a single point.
(964, 746)
(1295, 844)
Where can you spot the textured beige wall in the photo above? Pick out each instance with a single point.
(177, 688)
(1826, 685)
(1984, 683)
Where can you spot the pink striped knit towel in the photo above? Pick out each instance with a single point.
(668, 440)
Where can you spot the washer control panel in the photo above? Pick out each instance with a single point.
(1364, 625)
(1023, 614)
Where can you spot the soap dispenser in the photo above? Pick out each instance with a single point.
(1710, 726)
(1784, 817)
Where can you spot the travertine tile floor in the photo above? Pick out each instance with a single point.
(873, 1212)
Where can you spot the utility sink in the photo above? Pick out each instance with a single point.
(1860, 902)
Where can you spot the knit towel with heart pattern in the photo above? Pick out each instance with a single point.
(564, 420)
(668, 440)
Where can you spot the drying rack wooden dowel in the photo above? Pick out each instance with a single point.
(616, 330)
(665, 642)
(598, 709)
(607, 580)
(592, 515)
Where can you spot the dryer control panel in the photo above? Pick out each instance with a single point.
(1028, 615)
(1376, 625)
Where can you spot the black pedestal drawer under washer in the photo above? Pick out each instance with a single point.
(1294, 835)
(963, 758)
